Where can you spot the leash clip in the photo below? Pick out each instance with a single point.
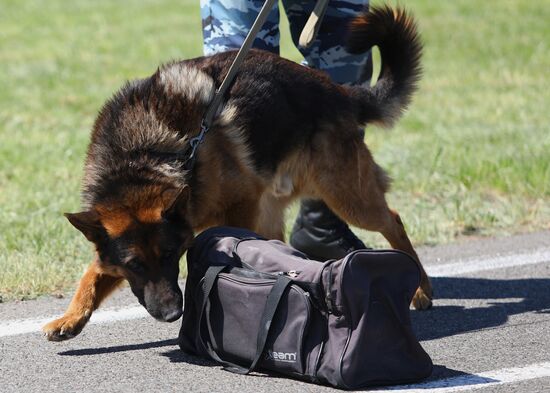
(196, 141)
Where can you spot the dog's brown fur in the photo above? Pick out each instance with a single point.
(285, 132)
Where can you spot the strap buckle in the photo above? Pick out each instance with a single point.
(196, 141)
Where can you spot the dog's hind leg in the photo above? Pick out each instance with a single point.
(394, 232)
(93, 288)
(353, 186)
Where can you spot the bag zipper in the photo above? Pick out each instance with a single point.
(247, 280)
(234, 252)
(292, 273)
(239, 271)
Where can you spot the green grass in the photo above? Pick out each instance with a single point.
(471, 157)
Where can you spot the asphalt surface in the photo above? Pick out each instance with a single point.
(486, 327)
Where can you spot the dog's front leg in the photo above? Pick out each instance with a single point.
(95, 285)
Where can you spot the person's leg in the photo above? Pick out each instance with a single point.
(225, 25)
(327, 52)
(342, 66)
(298, 12)
(318, 232)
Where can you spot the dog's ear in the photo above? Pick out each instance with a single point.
(88, 223)
(174, 201)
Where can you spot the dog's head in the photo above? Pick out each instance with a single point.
(141, 235)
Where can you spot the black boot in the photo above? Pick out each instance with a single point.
(320, 234)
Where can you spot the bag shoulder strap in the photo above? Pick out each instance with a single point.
(272, 303)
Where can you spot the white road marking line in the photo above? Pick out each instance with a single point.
(23, 326)
(34, 325)
(491, 263)
(477, 381)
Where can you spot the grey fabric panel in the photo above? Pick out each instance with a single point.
(378, 299)
(233, 319)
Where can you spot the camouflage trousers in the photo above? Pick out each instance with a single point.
(226, 22)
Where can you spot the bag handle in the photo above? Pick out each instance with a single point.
(272, 303)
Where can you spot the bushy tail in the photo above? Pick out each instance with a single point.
(395, 34)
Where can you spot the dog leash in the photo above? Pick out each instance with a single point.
(306, 38)
(214, 105)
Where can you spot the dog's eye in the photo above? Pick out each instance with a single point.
(170, 254)
(135, 266)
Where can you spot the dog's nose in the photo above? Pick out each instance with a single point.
(173, 315)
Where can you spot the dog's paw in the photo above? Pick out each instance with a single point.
(421, 300)
(64, 328)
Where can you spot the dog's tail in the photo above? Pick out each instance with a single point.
(395, 34)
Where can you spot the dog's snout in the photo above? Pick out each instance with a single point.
(173, 315)
(163, 301)
(168, 312)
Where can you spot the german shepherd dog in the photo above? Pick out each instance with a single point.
(285, 131)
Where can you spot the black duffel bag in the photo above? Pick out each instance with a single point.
(253, 304)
